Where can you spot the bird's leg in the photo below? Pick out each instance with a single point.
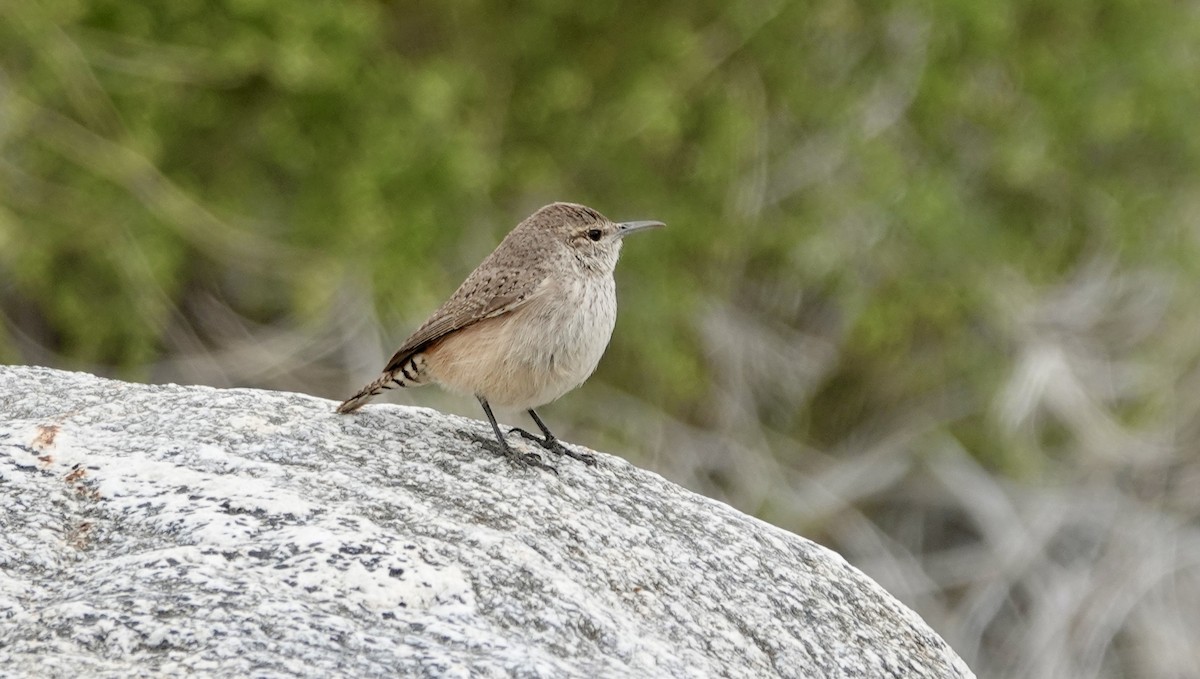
(551, 443)
(529, 459)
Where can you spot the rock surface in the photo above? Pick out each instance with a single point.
(168, 530)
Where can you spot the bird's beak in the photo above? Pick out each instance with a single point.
(626, 228)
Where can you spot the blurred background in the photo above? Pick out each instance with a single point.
(928, 293)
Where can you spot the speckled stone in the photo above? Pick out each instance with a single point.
(154, 530)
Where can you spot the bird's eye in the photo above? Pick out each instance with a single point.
(594, 234)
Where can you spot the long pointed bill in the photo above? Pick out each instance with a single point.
(626, 228)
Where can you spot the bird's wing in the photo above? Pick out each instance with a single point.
(485, 294)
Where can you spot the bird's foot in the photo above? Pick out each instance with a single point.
(525, 459)
(555, 446)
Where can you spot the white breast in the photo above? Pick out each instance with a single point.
(565, 335)
(533, 355)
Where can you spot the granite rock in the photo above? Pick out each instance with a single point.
(155, 530)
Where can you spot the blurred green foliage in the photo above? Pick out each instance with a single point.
(867, 173)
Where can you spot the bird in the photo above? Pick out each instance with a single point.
(528, 325)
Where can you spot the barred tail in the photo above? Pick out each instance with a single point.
(409, 374)
(367, 393)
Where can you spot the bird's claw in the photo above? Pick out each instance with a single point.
(533, 460)
(526, 459)
(553, 445)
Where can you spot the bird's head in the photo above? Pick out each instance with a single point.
(593, 239)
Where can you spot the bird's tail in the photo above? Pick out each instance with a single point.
(367, 393)
(410, 373)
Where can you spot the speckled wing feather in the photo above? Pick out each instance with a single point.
(500, 284)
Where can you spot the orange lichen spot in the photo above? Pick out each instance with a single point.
(45, 437)
(79, 536)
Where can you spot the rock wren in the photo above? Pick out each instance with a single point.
(528, 325)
